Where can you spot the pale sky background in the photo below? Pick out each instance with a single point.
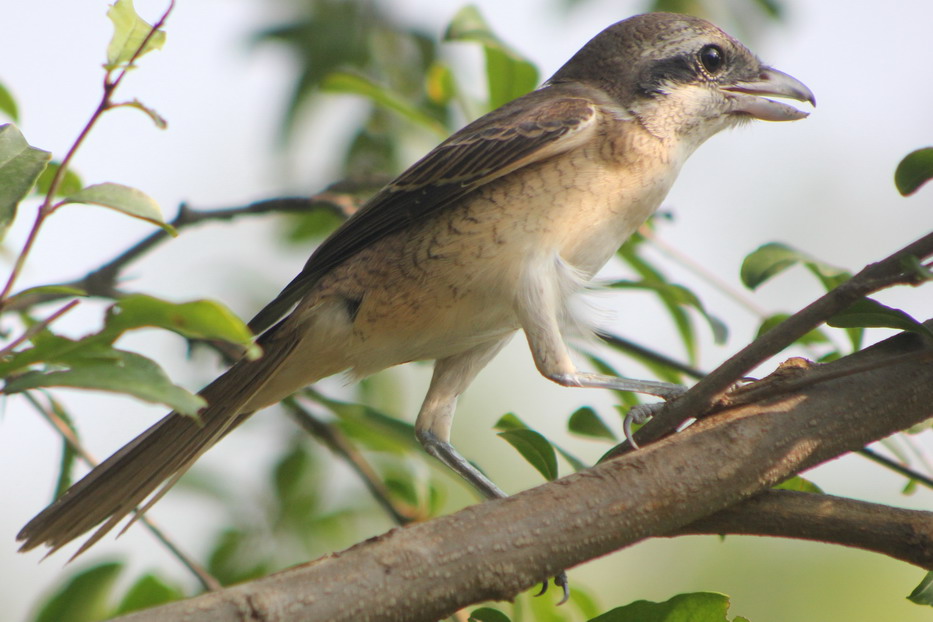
(823, 185)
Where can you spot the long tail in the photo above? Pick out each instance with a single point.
(160, 454)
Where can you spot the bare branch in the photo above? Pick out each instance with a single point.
(495, 550)
(902, 534)
(874, 277)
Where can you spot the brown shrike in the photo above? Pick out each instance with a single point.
(488, 234)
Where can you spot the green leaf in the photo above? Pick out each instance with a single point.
(869, 313)
(70, 184)
(487, 614)
(510, 421)
(773, 258)
(439, 83)
(84, 597)
(675, 297)
(148, 591)
(508, 74)
(119, 371)
(585, 422)
(129, 32)
(198, 319)
(230, 560)
(8, 104)
(923, 593)
(814, 337)
(799, 484)
(535, 449)
(20, 167)
(45, 290)
(375, 429)
(342, 82)
(696, 607)
(130, 201)
(914, 170)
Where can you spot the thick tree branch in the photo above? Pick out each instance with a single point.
(902, 534)
(495, 550)
(874, 277)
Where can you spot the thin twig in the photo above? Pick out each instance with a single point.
(652, 355)
(885, 273)
(47, 207)
(102, 281)
(37, 327)
(208, 581)
(896, 466)
(338, 443)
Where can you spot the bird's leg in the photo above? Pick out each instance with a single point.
(543, 300)
(451, 377)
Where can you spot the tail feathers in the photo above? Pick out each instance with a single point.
(165, 451)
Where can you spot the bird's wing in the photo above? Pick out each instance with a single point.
(530, 129)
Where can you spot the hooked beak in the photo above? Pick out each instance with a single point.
(747, 97)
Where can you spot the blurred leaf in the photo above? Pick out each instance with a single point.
(129, 32)
(157, 119)
(696, 607)
(342, 82)
(487, 614)
(869, 313)
(814, 337)
(508, 74)
(130, 201)
(586, 422)
(675, 297)
(198, 319)
(439, 84)
(231, 561)
(575, 463)
(914, 170)
(45, 290)
(84, 597)
(923, 593)
(118, 371)
(71, 183)
(535, 449)
(773, 258)
(148, 591)
(510, 421)
(20, 167)
(375, 429)
(799, 484)
(315, 224)
(8, 104)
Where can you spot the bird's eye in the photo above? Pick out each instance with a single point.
(712, 58)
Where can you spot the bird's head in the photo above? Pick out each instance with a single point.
(682, 77)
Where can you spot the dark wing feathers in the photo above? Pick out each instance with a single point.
(537, 126)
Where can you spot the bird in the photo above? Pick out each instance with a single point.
(491, 233)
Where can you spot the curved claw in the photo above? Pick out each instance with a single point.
(563, 582)
(544, 586)
(639, 413)
(627, 429)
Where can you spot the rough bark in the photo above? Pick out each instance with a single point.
(700, 480)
